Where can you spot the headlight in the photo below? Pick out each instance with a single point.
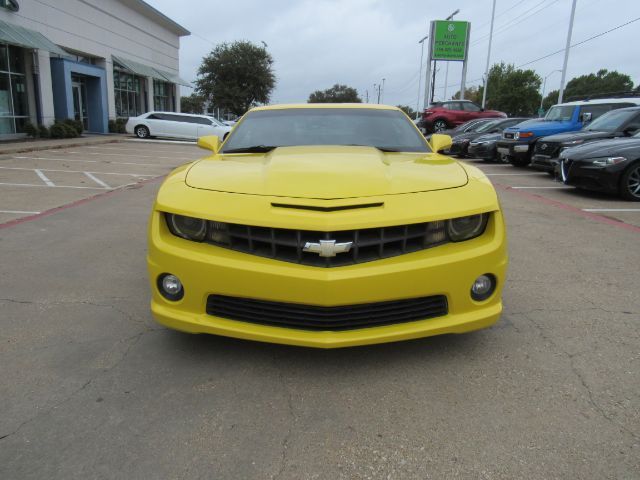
(187, 227)
(606, 161)
(466, 228)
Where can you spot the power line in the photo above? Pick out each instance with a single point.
(580, 43)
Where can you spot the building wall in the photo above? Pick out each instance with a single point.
(101, 28)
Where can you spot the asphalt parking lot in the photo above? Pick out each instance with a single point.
(91, 387)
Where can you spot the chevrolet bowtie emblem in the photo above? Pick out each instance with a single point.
(327, 248)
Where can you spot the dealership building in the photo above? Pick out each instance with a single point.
(91, 60)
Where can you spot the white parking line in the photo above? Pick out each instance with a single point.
(48, 186)
(611, 209)
(96, 179)
(543, 188)
(79, 171)
(44, 178)
(160, 141)
(512, 174)
(19, 211)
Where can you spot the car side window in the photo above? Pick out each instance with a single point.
(470, 107)
(201, 120)
(168, 117)
(154, 116)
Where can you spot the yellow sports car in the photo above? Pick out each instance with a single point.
(326, 225)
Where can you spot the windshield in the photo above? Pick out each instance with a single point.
(559, 113)
(485, 127)
(611, 121)
(216, 121)
(385, 129)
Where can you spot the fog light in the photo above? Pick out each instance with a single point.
(170, 287)
(483, 287)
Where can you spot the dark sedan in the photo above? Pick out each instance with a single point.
(624, 122)
(470, 126)
(611, 166)
(461, 142)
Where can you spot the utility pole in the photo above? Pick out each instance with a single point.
(566, 52)
(366, 96)
(420, 75)
(382, 94)
(486, 69)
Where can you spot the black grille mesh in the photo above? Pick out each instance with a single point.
(551, 149)
(288, 245)
(312, 317)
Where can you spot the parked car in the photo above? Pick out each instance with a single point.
(441, 116)
(175, 125)
(624, 122)
(461, 142)
(518, 142)
(611, 166)
(469, 126)
(326, 225)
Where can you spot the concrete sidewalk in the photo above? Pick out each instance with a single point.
(33, 145)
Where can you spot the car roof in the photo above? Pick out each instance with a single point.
(180, 113)
(286, 106)
(600, 101)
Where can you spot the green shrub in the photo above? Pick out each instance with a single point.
(70, 130)
(43, 131)
(58, 130)
(120, 125)
(75, 124)
(30, 129)
(113, 126)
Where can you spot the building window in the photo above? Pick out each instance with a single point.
(163, 96)
(130, 94)
(14, 110)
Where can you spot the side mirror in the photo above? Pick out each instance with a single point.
(209, 142)
(440, 142)
(585, 117)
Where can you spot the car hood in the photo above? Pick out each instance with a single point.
(604, 148)
(579, 135)
(542, 128)
(326, 172)
(488, 137)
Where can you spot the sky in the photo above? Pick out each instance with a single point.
(318, 43)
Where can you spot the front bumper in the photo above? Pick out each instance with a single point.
(591, 177)
(515, 149)
(448, 270)
(544, 163)
(486, 151)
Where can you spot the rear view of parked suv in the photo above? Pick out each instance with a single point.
(440, 116)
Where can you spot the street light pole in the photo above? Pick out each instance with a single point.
(486, 69)
(544, 85)
(566, 52)
(420, 74)
(382, 94)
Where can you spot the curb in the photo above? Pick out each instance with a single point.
(80, 143)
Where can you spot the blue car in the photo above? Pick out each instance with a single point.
(518, 142)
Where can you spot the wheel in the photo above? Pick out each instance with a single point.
(440, 125)
(630, 183)
(142, 132)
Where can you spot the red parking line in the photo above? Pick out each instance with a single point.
(569, 208)
(46, 213)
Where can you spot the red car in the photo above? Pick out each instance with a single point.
(443, 115)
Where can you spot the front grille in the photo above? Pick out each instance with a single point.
(368, 244)
(312, 317)
(551, 149)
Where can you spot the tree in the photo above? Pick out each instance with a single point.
(193, 103)
(513, 91)
(236, 76)
(603, 81)
(472, 93)
(411, 113)
(336, 94)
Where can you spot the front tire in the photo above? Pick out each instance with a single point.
(630, 183)
(142, 132)
(440, 125)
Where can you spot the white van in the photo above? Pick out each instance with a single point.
(176, 125)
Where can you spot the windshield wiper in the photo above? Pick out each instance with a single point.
(252, 149)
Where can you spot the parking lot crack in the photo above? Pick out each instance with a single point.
(576, 372)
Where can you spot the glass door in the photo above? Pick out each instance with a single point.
(79, 90)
